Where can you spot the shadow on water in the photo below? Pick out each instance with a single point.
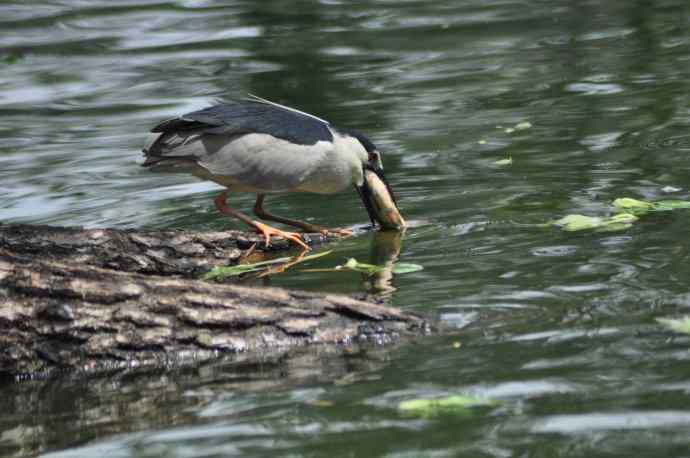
(385, 251)
(77, 408)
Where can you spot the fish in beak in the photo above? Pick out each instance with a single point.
(379, 200)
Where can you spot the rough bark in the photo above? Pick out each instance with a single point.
(104, 299)
(161, 252)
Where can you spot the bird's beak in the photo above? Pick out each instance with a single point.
(379, 200)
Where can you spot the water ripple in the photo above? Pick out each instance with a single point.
(597, 422)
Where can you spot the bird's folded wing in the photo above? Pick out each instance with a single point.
(252, 117)
(261, 161)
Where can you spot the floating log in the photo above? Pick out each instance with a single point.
(104, 299)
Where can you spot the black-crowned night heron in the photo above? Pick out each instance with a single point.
(262, 147)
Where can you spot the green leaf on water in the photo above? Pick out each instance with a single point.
(681, 325)
(239, 269)
(406, 268)
(369, 269)
(640, 206)
(629, 209)
(353, 265)
(578, 222)
(666, 205)
(507, 161)
(230, 271)
(455, 404)
(581, 222)
(618, 222)
(632, 205)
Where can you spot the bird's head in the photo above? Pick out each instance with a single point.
(375, 192)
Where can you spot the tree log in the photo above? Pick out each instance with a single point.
(161, 252)
(103, 299)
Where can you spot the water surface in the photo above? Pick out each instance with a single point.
(559, 327)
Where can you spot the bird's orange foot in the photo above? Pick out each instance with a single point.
(267, 231)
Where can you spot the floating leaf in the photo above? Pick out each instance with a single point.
(677, 324)
(582, 222)
(369, 269)
(507, 161)
(578, 222)
(321, 403)
(523, 125)
(239, 269)
(456, 404)
(632, 205)
(230, 271)
(618, 222)
(353, 265)
(630, 210)
(641, 206)
(405, 268)
(666, 205)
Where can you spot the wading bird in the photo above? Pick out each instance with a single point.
(258, 146)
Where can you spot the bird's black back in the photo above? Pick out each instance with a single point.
(251, 116)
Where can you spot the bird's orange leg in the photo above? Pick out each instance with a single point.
(266, 230)
(308, 227)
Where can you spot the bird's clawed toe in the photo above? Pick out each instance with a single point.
(268, 231)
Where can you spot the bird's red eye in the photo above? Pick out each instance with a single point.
(372, 157)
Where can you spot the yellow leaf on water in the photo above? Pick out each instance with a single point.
(455, 404)
(506, 161)
(681, 325)
(321, 403)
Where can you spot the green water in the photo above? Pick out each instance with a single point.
(559, 327)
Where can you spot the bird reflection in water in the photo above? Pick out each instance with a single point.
(385, 249)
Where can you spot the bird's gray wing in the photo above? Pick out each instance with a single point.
(249, 145)
(252, 116)
(230, 120)
(250, 162)
(260, 162)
